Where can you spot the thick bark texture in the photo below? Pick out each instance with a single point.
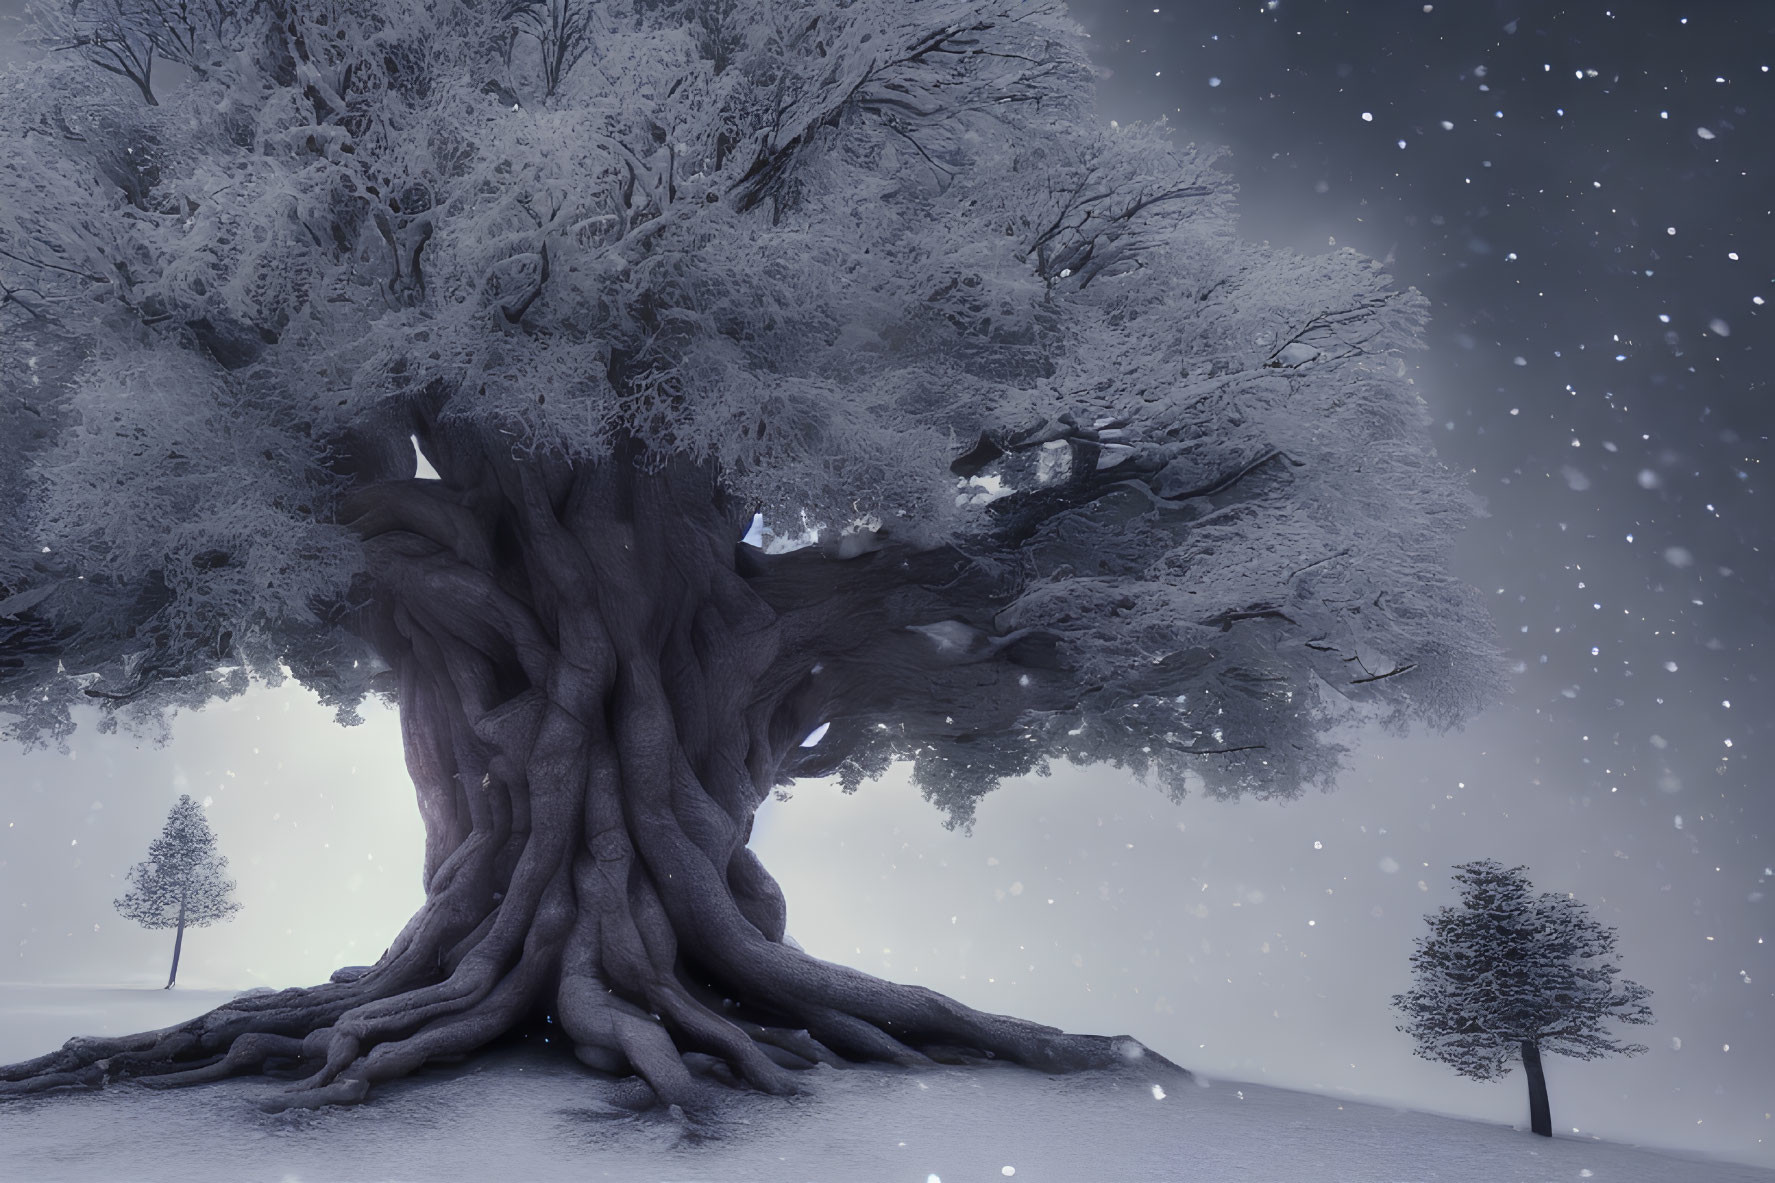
(1540, 1116)
(596, 695)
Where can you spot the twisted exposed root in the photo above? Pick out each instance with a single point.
(249, 1053)
(657, 954)
(595, 945)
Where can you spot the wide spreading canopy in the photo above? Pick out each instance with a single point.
(1080, 473)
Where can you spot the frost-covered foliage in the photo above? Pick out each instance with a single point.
(1510, 967)
(822, 248)
(183, 882)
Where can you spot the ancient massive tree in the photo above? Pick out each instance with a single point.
(800, 386)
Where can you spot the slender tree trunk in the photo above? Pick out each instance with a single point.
(1540, 1117)
(178, 943)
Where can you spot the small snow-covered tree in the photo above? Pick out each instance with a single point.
(1509, 974)
(182, 883)
(656, 286)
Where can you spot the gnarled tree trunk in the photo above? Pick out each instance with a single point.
(595, 698)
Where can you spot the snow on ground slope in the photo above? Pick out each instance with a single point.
(529, 1113)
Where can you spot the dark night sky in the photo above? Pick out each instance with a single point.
(1581, 193)
(1570, 175)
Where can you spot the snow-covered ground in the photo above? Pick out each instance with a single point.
(530, 1114)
